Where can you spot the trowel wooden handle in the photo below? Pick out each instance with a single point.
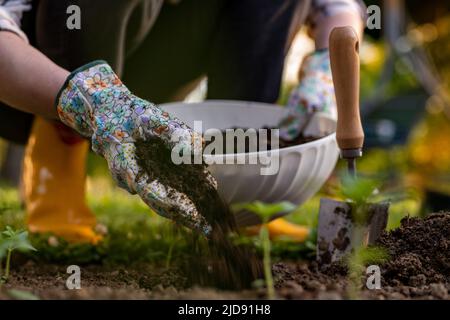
(344, 57)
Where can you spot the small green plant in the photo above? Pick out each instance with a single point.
(265, 212)
(359, 192)
(10, 241)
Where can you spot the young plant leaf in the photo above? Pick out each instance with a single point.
(358, 190)
(9, 232)
(17, 240)
(265, 210)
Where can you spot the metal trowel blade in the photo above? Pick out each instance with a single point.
(336, 225)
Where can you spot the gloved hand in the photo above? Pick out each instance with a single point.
(94, 102)
(315, 93)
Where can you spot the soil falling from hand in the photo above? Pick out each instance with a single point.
(218, 262)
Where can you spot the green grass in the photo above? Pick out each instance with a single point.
(134, 233)
(11, 212)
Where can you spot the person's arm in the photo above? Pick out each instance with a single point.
(315, 91)
(29, 81)
(329, 14)
(93, 101)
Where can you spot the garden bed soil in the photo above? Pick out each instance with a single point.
(418, 269)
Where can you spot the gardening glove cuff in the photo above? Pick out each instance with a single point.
(315, 93)
(96, 103)
(81, 96)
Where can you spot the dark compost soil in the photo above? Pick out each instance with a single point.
(222, 264)
(420, 251)
(418, 268)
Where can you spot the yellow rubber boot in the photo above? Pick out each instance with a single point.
(54, 185)
(279, 228)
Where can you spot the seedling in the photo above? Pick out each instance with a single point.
(11, 241)
(358, 192)
(265, 212)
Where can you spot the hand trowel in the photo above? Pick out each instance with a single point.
(336, 222)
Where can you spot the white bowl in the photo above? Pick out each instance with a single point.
(303, 169)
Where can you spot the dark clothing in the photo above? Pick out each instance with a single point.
(240, 45)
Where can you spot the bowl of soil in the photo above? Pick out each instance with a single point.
(294, 172)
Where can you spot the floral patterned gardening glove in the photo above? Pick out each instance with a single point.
(94, 102)
(315, 93)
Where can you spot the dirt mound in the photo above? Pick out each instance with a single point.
(419, 251)
(418, 267)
